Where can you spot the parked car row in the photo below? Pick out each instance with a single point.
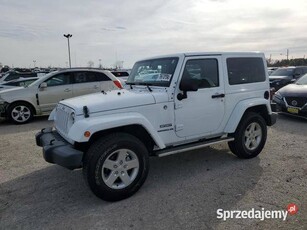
(286, 75)
(20, 104)
(271, 70)
(23, 82)
(14, 75)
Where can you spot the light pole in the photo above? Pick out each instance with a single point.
(100, 64)
(34, 61)
(68, 36)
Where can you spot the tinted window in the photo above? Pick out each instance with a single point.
(298, 71)
(205, 71)
(59, 79)
(245, 70)
(84, 77)
(102, 77)
(283, 72)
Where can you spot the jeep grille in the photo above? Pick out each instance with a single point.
(62, 122)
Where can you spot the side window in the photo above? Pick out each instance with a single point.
(59, 79)
(80, 77)
(204, 71)
(102, 77)
(91, 77)
(298, 72)
(245, 70)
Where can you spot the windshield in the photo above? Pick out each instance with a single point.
(283, 72)
(4, 77)
(45, 77)
(157, 72)
(302, 80)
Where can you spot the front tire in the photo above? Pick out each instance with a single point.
(250, 136)
(116, 166)
(20, 113)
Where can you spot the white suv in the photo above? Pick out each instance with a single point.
(20, 104)
(172, 104)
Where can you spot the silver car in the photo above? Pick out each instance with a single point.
(20, 104)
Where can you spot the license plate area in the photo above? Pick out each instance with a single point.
(292, 110)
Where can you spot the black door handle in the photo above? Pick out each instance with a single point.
(218, 95)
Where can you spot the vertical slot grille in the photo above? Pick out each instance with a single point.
(61, 122)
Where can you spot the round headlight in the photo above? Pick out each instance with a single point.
(72, 115)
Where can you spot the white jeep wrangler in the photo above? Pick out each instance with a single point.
(171, 104)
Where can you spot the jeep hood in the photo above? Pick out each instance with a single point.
(111, 100)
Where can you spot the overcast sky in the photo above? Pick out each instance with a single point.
(130, 30)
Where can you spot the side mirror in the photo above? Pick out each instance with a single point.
(187, 85)
(43, 86)
(292, 81)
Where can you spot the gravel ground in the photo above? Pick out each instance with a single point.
(182, 191)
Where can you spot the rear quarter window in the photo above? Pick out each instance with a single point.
(102, 77)
(245, 70)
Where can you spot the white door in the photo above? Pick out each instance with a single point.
(59, 87)
(202, 112)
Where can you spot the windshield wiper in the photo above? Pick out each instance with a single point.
(147, 85)
(130, 84)
(140, 83)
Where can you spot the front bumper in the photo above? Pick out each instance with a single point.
(281, 106)
(58, 151)
(3, 107)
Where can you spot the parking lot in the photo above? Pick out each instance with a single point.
(182, 191)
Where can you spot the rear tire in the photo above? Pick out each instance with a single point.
(250, 136)
(116, 166)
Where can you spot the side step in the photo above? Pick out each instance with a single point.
(192, 146)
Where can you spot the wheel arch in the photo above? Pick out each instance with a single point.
(21, 101)
(132, 123)
(135, 130)
(259, 106)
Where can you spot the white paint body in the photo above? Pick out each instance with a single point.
(169, 121)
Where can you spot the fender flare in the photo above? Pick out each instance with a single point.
(239, 111)
(96, 124)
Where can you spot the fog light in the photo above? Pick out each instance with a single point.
(87, 134)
